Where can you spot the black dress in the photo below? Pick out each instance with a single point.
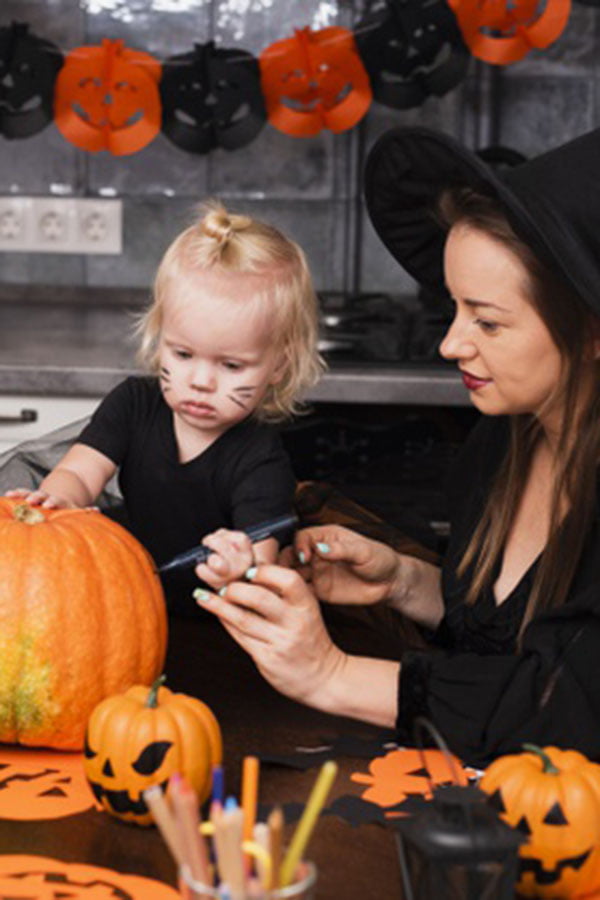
(485, 697)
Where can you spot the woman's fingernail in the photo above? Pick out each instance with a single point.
(302, 556)
(201, 595)
(323, 548)
(251, 573)
(223, 591)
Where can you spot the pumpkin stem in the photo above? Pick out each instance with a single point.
(152, 700)
(549, 766)
(27, 514)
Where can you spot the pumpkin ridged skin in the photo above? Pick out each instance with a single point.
(82, 616)
(122, 727)
(529, 790)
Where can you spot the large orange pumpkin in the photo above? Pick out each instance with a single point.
(553, 797)
(140, 738)
(82, 616)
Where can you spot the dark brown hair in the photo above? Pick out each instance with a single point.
(572, 327)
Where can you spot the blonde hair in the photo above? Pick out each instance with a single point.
(234, 243)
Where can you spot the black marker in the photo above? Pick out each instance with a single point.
(256, 533)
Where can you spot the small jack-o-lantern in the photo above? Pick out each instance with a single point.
(107, 98)
(411, 50)
(401, 774)
(314, 80)
(28, 70)
(39, 784)
(211, 98)
(140, 738)
(42, 878)
(553, 797)
(504, 31)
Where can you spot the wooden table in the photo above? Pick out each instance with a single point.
(354, 863)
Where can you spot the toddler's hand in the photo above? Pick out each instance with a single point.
(38, 498)
(232, 555)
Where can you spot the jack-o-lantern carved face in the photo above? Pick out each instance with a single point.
(139, 739)
(211, 98)
(314, 80)
(107, 98)
(28, 69)
(37, 784)
(400, 774)
(411, 49)
(39, 878)
(554, 800)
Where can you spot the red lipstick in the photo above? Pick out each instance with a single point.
(472, 382)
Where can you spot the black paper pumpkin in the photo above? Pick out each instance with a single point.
(211, 98)
(28, 69)
(411, 49)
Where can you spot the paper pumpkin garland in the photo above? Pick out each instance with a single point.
(107, 98)
(504, 31)
(211, 98)
(40, 878)
(28, 69)
(411, 50)
(314, 80)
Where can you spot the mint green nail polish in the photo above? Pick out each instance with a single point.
(201, 595)
(223, 591)
(302, 556)
(323, 548)
(251, 573)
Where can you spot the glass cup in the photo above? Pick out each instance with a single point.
(300, 889)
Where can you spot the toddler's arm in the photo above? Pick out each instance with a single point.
(233, 554)
(75, 481)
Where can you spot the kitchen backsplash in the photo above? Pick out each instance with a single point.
(309, 187)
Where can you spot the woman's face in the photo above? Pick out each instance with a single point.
(508, 359)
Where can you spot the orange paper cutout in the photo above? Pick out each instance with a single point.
(401, 773)
(35, 878)
(314, 80)
(500, 34)
(41, 784)
(107, 98)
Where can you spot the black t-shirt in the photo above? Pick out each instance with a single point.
(486, 697)
(243, 478)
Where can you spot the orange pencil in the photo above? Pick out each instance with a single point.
(185, 807)
(250, 776)
(275, 822)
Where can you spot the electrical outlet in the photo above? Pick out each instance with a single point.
(60, 225)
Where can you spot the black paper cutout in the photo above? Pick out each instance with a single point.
(331, 748)
(411, 49)
(211, 97)
(28, 69)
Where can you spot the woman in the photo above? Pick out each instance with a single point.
(514, 613)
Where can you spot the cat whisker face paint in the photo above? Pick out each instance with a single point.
(165, 379)
(242, 395)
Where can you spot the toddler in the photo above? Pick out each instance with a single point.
(230, 344)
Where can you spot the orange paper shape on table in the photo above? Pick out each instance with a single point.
(403, 773)
(314, 80)
(502, 32)
(43, 878)
(42, 784)
(107, 98)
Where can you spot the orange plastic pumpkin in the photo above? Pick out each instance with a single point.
(553, 797)
(82, 616)
(142, 737)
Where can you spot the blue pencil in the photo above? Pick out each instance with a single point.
(256, 533)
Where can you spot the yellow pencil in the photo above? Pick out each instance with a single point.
(303, 832)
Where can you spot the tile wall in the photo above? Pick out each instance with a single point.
(309, 187)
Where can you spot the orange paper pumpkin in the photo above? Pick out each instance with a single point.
(107, 98)
(42, 878)
(140, 738)
(314, 80)
(402, 773)
(553, 797)
(82, 616)
(38, 784)
(501, 32)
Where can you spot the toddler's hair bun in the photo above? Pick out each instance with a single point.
(220, 226)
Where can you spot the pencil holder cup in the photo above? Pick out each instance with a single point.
(301, 889)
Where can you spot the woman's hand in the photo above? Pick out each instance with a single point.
(275, 617)
(343, 566)
(232, 554)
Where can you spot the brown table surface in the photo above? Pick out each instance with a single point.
(354, 863)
